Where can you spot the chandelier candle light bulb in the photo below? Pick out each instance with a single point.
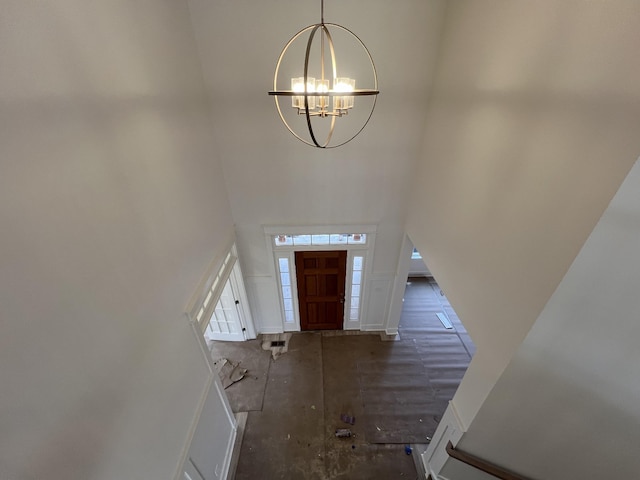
(322, 86)
(343, 85)
(297, 85)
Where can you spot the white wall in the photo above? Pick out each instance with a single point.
(272, 178)
(111, 204)
(567, 404)
(532, 126)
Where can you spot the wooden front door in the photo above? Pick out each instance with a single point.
(321, 280)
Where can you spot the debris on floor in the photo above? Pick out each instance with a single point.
(343, 433)
(348, 419)
(229, 372)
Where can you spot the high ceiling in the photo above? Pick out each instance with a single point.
(239, 43)
(113, 200)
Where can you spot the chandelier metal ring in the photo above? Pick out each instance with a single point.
(311, 97)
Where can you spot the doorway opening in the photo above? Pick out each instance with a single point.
(227, 321)
(350, 296)
(437, 313)
(219, 310)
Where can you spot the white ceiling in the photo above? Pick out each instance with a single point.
(239, 43)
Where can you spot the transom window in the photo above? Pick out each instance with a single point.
(321, 239)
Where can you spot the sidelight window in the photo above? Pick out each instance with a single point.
(356, 284)
(286, 289)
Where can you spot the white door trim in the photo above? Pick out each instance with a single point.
(365, 250)
(399, 286)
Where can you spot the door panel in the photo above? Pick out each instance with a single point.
(321, 287)
(225, 322)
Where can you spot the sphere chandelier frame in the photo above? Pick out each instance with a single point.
(314, 98)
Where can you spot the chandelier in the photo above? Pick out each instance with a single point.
(320, 98)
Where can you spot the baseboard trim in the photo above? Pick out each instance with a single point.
(373, 328)
(270, 331)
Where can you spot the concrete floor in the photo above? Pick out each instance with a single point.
(397, 391)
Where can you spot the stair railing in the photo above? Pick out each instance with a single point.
(480, 464)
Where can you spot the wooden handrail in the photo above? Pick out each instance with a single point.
(480, 464)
